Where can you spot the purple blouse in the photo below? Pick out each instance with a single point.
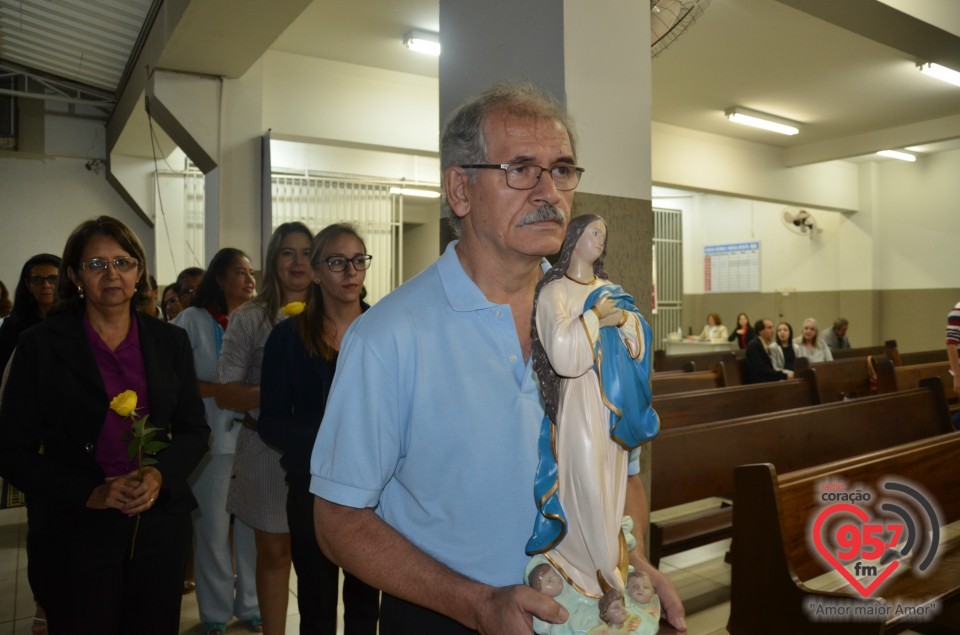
(121, 370)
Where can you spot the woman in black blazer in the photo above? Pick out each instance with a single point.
(744, 333)
(62, 445)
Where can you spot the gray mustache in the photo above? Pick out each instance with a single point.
(544, 213)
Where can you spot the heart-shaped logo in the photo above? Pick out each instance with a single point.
(862, 543)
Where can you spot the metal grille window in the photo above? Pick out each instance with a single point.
(193, 218)
(668, 244)
(378, 215)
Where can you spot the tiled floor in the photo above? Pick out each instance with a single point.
(701, 575)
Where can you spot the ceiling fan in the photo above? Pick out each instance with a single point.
(799, 221)
(669, 19)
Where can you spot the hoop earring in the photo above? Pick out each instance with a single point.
(80, 291)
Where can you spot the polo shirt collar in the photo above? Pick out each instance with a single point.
(462, 293)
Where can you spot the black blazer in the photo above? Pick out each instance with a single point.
(54, 404)
(758, 365)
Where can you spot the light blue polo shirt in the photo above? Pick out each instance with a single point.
(433, 419)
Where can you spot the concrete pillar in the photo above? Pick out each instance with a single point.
(594, 56)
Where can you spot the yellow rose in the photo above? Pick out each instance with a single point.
(125, 403)
(293, 308)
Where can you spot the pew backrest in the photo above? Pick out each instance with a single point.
(697, 461)
(674, 382)
(772, 556)
(703, 406)
(842, 379)
(891, 378)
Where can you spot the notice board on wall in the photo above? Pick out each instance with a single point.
(734, 267)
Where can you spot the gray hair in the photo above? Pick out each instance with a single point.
(462, 141)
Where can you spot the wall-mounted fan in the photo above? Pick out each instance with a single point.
(670, 18)
(799, 221)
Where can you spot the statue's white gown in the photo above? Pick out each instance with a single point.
(592, 468)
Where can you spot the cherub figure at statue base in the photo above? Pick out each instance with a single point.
(637, 612)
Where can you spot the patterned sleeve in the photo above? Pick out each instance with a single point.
(239, 346)
(953, 326)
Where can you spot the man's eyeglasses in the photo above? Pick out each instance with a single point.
(39, 280)
(121, 264)
(525, 176)
(339, 263)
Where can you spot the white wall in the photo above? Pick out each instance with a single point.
(918, 222)
(44, 200)
(392, 166)
(787, 260)
(902, 238)
(711, 163)
(336, 101)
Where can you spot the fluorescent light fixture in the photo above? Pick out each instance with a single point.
(940, 72)
(762, 120)
(896, 154)
(409, 191)
(423, 42)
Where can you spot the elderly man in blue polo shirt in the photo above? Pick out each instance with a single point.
(426, 456)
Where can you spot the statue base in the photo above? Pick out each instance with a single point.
(637, 618)
(637, 611)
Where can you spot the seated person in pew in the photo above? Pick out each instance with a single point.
(811, 346)
(759, 360)
(713, 330)
(743, 334)
(787, 349)
(953, 340)
(836, 338)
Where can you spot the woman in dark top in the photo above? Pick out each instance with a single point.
(744, 333)
(299, 360)
(35, 295)
(785, 341)
(110, 548)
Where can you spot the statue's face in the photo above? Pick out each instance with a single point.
(616, 614)
(640, 589)
(591, 243)
(551, 583)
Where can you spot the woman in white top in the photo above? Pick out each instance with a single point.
(225, 563)
(810, 346)
(713, 330)
(258, 488)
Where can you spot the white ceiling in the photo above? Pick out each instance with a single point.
(852, 93)
(760, 54)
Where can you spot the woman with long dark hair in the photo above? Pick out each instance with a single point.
(257, 486)
(225, 568)
(785, 342)
(33, 298)
(110, 531)
(299, 361)
(744, 333)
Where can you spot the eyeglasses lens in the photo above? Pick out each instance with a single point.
(337, 264)
(120, 263)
